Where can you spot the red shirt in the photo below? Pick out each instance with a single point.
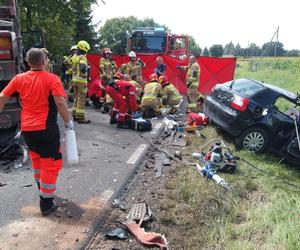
(36, 90)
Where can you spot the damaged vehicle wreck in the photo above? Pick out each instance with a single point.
(260, 116)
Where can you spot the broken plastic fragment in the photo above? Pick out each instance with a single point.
(116, 234)
(147, 238)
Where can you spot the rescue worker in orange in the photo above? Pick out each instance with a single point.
(135, 66)
(139, 87)
(124, 95)
(42, 95)
(192, 81)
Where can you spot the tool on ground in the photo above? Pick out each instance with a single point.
(218, 158)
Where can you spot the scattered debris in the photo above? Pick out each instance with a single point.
(116, 234)
(140, 212)
(2, 184)
(146, 238)
(117, 204)
(26, 186)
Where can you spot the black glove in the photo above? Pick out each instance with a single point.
(189, 84)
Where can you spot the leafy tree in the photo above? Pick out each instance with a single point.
(268, 49)
(293, 52)
(254, 50)
(229, 49)
(84, 30)
(216, 50)
(194, 47)
(63, 22)
(237, 50)
(205, 52)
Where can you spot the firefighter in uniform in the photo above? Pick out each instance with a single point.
(108, 68)
(170, 95)
(123, 68)
(68, 62)
(134, 67)
(192, 80)
(79, 82)
(151, 99)
(124, 95)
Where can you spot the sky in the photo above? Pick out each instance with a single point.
(214, 21)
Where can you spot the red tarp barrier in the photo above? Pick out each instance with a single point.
(213, 70)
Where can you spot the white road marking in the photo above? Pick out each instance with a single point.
(136, 154)
(156, 128)
(106, 194)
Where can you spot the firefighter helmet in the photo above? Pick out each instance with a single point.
(132, 54)
(74, 47)
(84, 46)
(106, 51)
(153, 77)
(163, 79)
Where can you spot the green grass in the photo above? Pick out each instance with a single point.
(263, 212)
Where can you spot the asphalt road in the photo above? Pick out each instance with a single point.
(107, 157)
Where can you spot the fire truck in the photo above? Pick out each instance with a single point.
(150, 40)
(13, 46)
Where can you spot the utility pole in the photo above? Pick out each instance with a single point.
(276, 40)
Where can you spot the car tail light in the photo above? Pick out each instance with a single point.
(239, 103)
(5, 46)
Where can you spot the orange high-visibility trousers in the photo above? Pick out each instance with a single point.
(45, 154)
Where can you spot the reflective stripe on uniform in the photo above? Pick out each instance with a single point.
(36, 171)
(79, 79)
(48, 186)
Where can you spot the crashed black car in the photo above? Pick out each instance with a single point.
(259, 115)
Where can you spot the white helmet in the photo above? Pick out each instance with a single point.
(132, 54)
(73, 47)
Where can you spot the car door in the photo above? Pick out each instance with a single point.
(283, 123)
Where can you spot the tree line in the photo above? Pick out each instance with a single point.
(253, 50)
(65, 22)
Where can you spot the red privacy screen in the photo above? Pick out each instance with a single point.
(213, 70)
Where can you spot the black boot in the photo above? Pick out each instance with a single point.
(47, 206)
(123, 125)
(112, 120)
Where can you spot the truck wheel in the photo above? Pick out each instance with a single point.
(253, 139)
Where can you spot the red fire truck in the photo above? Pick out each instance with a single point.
(13, 47)
(151, 40)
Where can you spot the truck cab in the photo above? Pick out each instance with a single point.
(12, 53)
(151, 40)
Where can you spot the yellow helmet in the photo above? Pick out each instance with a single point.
(83, 45)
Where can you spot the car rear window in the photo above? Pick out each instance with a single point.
(245, 87)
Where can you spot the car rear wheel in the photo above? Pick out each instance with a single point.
(253, 139)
